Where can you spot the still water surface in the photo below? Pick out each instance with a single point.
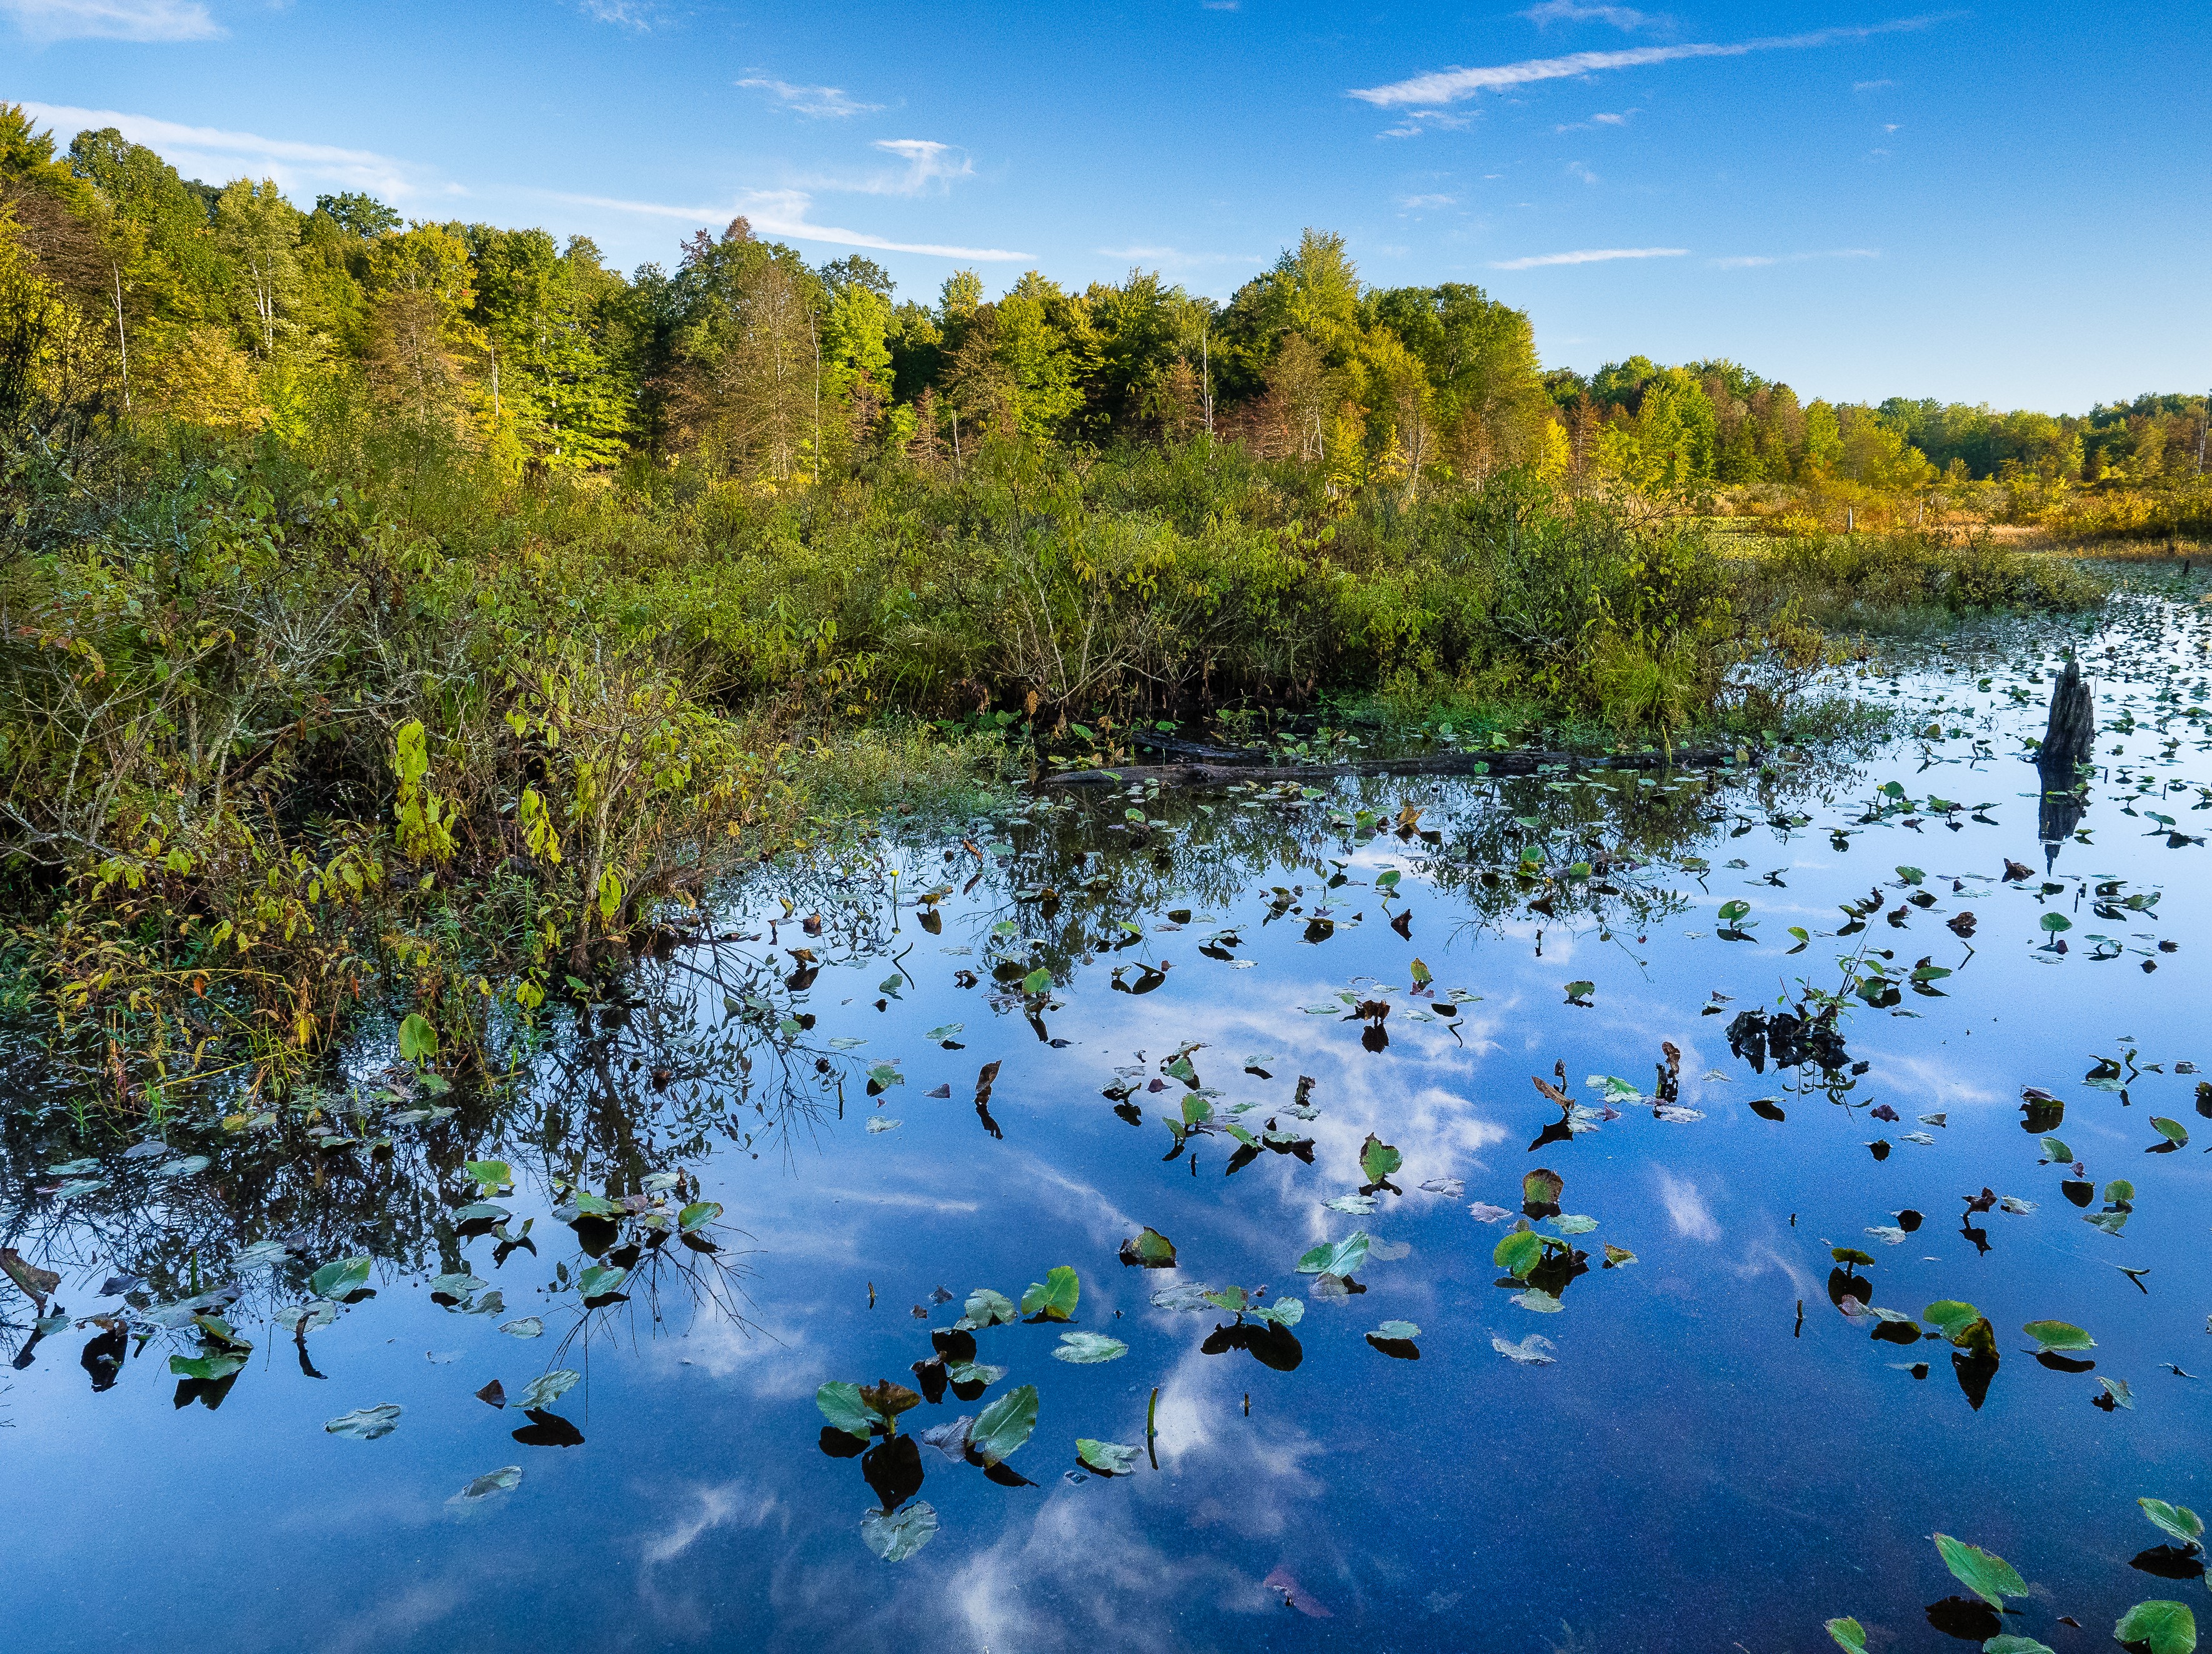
(1694, 1448)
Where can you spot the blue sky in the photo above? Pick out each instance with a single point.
(1861, 198)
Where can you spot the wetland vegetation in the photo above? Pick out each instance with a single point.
(540, 879)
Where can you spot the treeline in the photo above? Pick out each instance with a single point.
(233, 309)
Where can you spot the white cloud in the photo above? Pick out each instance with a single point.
(627, 14)
(784, 213)
(112, 19)
(1752, 261)
(832, 102)
(1570, 11)
(1686, 1207)
(1451, 85)
(1419, 202)
(1422, 120)
(928, 163)
(213, 154)
(1587, 256)
(1613, 120)
(1575, 169)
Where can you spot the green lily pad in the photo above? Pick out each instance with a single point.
(548, 1387)
(2162, 1627)
(986, 1308)
(1849, 1634)
(896, 1537)
(1053, 1298)
(366, 1424)
(1397, 1331)
(338, 1280)
(1336, 1258)
(1088, 1348)
(1108, 1458)
(2058, 1336)
(1148, 1248)
(1519, 1252)
(2184, 1523)
(1568, 1224)
(842, 1405)
(528, 1326)
(2172, 1130)
(600, 1282)
(1377, 1159)
(1003, 1425)
(1989, 1577)
(698, 1215)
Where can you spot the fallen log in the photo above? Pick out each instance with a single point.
(1522, 763)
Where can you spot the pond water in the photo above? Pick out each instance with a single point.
(1685, 1428)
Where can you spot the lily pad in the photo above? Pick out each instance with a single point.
(1397, 1331)
(2163, 1628)
(1087, 1348)
(2058, 1336)
(1053, 1298)
(842, 1405)
(1378, 1159)
(1341, 1257)
(1148, 1248)
(896, 1537)
(507, 1478)
(339, 1281)
(2184, 1523)
(1108, 1458)
(1534, 1350)
(1849, 1634)
(548, 1387)
(367, 1424)
(986, 1308)
(528, 1326)
(1003, 1425)
(1989, 1577)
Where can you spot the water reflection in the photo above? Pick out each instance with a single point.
(1256, 1024)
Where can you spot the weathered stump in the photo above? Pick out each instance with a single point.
(2068, 740)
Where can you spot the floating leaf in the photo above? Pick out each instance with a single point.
(340, 1281)
(842, 1405)
(1542, 1302)
(1579, 992)
(2184, 1523)
(896, 1537)
(2117, 1393)
(1148, 1248)
(1342, 1257)
(1088, 1348)
(1989, 1577)
(1518, 1253)
(1849, 1634)
(600, 1282)
(986, 1308)
(367, 1424)
(1573, 1224)
(1542, 1188)
(1053, 1298)
(548, 1387)
(1358, 1205)
(698, 1215)
(2054, 1150)
(507, 1478)
(419, 1040)
(1617, 1255)
(1003, 1425)
(1108, 1458)
(1531, 1351)
(528, 1326)
(2058, 1336)
(1396, 1332)
(1377, 1159)
(2172, 1130)
(2163, 1628)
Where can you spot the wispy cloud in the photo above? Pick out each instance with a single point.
(1575, 169)
(1568, 11)
(1451, 85)
(1424, 120)
(1423, 202)
(639, 15)
(1586, 256)
(1752, 261)
(1686, 1207)
(213, 153)
(112, 19)
(784, 213)
(832, 102)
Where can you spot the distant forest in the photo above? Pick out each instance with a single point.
(234, 309)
